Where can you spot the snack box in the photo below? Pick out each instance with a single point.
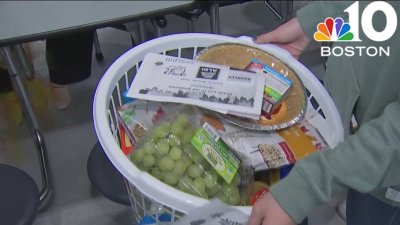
(277, 86)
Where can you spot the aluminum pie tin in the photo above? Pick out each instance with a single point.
(239, 56)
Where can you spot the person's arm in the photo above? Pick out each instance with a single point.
(366, 161)
(372, 152)
(296, 34)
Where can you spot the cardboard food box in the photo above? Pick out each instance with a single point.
(276, 89)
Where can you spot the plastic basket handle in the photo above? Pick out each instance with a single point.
(283, 53)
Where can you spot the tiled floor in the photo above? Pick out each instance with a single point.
(70, 135)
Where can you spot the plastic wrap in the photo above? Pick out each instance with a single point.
(166, 151)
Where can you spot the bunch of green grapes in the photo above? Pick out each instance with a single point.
(168, 155)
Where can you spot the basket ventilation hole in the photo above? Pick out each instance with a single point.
(321, 113)
(314, 103)
(308, 93)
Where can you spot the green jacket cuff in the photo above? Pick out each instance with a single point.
(295, 195)
(309, 17)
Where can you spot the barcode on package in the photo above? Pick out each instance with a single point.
(211, 132)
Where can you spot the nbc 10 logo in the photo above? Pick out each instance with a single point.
(336, 30)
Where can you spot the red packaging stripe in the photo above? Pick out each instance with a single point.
(288, 152)
(259, 194)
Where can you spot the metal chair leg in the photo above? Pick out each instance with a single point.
(159, 23)
(142, 35)
(97, 48)
(278, 13)
(32, 122)
(289, 9)
(214, 18)
(273, 10)
(133, 43)
(27, 68)
(190, 26)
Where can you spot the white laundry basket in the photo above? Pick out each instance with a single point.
(148, 195)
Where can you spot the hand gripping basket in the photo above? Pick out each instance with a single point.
(148, 195)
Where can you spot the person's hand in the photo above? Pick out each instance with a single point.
(289, 36)
(266, 211)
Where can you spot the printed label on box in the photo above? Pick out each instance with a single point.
(276, 87)
(216, 152)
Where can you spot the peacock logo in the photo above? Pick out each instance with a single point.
(336, 30)
(333, 30)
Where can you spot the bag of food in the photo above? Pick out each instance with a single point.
(185, 152)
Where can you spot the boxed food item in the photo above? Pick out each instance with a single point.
(275, 149)
(187, 154)
(211, 146)
(277, 86)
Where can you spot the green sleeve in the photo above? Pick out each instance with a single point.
(314, 13)
(365, 162)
